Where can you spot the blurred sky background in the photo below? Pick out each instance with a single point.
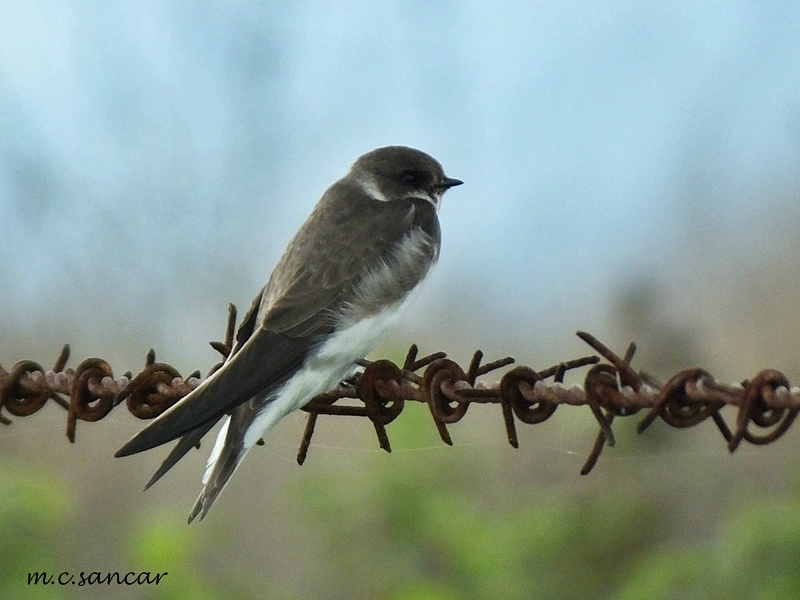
(631, 169)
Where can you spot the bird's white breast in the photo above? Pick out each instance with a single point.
(358, 332)
(356, 336)
(334, 361)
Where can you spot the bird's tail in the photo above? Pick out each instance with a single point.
(222, 462)
(239, 433)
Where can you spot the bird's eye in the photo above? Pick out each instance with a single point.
(409, 177)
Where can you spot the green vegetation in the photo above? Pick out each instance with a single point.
(425, 525)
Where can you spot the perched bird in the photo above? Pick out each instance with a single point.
(341, 283)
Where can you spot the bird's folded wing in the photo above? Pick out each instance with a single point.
(313, 281)
(265, 360)
(271, 345)
(309, 287)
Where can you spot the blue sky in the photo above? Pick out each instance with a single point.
(155, 158)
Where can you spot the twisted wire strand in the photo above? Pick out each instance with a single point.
(766, 405)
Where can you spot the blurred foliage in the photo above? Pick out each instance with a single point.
(164, 544)
(422, 525)
(36, 518)
(424, 530)
(757, 556)
(32, 510)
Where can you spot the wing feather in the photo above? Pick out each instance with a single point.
(316, 277)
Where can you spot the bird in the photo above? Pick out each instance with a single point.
(342, 282)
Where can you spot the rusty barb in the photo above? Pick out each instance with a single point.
(766, 405)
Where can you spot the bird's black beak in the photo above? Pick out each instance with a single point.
(449, 182)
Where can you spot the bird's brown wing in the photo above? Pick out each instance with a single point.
(313, 280)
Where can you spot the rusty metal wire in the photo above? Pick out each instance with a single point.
(766, 404)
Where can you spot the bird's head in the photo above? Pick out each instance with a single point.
(399, 172)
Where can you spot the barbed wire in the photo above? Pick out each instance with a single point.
(766, 404)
